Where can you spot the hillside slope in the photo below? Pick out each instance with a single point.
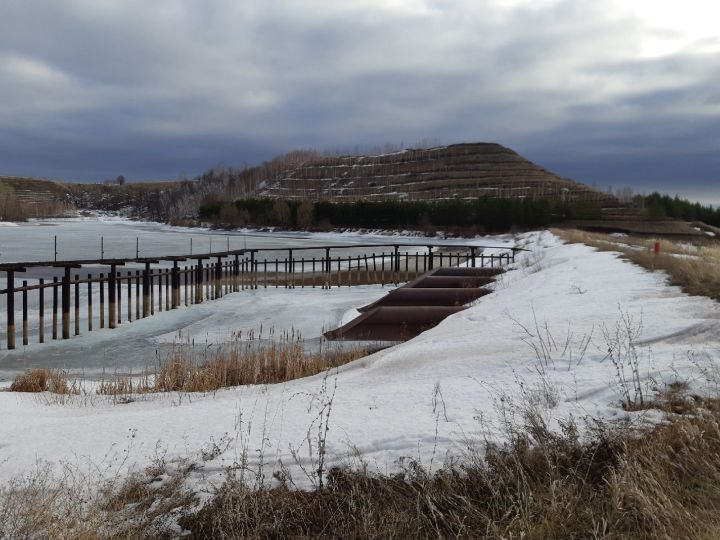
(467, 170)
(459, 171)
(22, 197)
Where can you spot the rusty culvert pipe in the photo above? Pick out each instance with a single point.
(428, 297)
(418, 305)
(392, 323)
(450, 282)
(466, 271)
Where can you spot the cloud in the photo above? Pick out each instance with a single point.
(90, 87)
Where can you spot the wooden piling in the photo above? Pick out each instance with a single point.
(185, 278)
(217, 282)
(89, 303)
(65, 294)
(152, 292)
(77, 305)
(102, 300)
(11, 309)
(41, 312)
(236, 273)
(118, 293)
(112, 288)
(199, 282)
(175, 285)
(253, 270)
(167, 290)
(55, 309)
(160, 290)
(25, 313)
(129, 297)
(137, 294)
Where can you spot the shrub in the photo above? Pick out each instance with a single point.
(42, 380)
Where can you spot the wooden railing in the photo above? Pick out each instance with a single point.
(159, 284)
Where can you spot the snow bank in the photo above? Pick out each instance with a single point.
(424, 399)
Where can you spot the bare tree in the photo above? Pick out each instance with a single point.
(281, 213)
(305, 214)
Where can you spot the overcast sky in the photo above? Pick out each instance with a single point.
(621, 93)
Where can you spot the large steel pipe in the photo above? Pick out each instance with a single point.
(450, 282)
(392, 323)
(428, 297)
(462, 271)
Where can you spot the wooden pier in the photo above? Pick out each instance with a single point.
(121, 291)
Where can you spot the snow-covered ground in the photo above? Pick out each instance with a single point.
(426, 399)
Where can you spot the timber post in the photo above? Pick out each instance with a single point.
(218, 278)
(65, 298)
(41, 315)
(146, 290)
(199, 282)
(112, 291)
(11, 309)
(175, 285)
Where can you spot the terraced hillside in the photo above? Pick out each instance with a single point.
(22, 197)
(459, 171)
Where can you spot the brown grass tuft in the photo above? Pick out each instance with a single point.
(43, 380)
(240, 363)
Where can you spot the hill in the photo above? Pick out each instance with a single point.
(22, 197)
(468, 171)
(458, 171)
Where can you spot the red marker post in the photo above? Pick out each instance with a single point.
(657, 248)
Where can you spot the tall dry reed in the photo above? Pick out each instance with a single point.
(239, 362)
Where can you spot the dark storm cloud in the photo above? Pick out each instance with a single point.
(96, 88)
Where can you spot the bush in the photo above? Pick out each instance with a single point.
(41, 380)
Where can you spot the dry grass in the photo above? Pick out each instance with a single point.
(43, 380)
(77, 506)
(661, 482)
(541, 485)
(695, 268)
(239, 363)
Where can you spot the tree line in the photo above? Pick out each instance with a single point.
(658, 206)
(480, 215)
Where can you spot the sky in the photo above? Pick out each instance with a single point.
(608, 92)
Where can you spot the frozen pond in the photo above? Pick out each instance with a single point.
(139, 344)
(89, 238)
